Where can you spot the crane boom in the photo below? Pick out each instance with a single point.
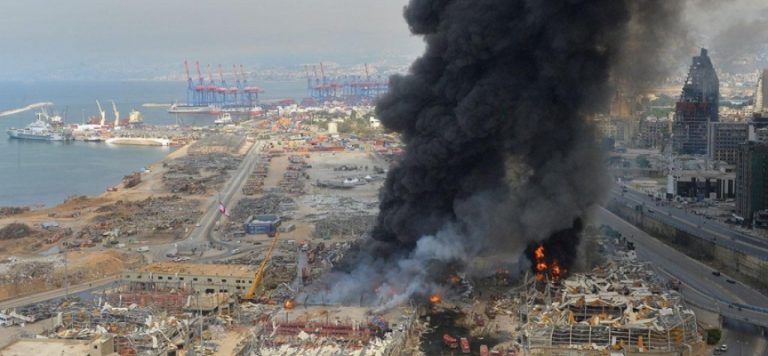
(102, 113)
(186, 71)
(199, 75)
(117, 114)
(259, 276)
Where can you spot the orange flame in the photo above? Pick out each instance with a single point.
(435, 299)
(555, 270)
(454, 279)
(541, 262)
(289, 304)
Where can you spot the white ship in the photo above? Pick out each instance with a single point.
(223, 119)
(193, 109)
(38, 130)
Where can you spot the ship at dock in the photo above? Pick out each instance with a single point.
(41, 130)
(194, 109)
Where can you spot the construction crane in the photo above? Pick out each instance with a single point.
(102, 113)
(117, 114)
(251, 293)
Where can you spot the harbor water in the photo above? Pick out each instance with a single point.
(40, 173)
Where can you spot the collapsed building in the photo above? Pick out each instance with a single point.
(616, 307)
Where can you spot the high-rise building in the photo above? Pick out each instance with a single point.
(697, 107)
(761, 95)
(654, 131)
(725, 138)
(751, 179)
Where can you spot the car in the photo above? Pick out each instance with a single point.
(730, 281)
(716, 273)
(197, 225)
(723, 347)
(235, 251)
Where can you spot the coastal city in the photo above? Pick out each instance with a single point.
(472, 201)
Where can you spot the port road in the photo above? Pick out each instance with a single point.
(699, 286)
(202, 235)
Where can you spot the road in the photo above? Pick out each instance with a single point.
(59, 293)
(696, 225)
(699, 286)
(202, 235)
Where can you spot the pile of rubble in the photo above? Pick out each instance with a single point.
(14, 231)
(295, 178)
(197, 174)
(23, 272)
(324, 204)
(255, 183)
(343, 225)
(269, 204)
(151, 216)
(216, 144)
(617, 306)
(13, 210)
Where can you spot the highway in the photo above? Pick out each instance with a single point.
(699, 286)
(696, 225)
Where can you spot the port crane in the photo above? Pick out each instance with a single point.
(102, 113)
(259, 276)
(117, 114)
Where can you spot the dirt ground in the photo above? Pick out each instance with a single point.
(79, 214)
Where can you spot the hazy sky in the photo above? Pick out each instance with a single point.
(41, 36)
(139, 38)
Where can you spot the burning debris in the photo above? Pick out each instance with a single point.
(499, 154)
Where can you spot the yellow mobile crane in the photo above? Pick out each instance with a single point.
(251, 293)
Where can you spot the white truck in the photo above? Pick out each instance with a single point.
(143, 249)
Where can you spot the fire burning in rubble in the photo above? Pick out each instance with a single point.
(435, 299)
(541, 263)
(543, 268)
(454, 279)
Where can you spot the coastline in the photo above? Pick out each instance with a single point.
(151, 183)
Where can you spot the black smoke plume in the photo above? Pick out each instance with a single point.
(499, 152)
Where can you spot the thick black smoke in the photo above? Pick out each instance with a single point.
(499, 152)
(504, 85)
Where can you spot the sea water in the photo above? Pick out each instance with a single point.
(40, 173)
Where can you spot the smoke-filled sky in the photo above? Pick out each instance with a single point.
(125, 38)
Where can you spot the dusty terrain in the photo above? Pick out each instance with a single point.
(101, 233)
